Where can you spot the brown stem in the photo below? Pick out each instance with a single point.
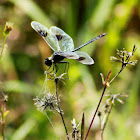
(117, 74)
(105, 86)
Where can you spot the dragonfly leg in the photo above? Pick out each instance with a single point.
(51, 72)
(49, 68)
(56, 68)
(66, 66)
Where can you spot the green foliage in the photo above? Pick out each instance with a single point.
(22, 66)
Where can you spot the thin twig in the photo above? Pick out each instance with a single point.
(2, 123)
(82, 127)
(2, 119)
(3, 47)
(117, 74)
(106, 120)
(96, 111)
(106, 83)
(56, 81)
(105, 86)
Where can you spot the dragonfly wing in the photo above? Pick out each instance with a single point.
(69, 55)
(64, 40)
(84, 58)
(48, 36)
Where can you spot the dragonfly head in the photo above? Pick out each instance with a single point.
(48, 62)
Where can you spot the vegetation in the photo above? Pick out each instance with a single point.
(35, 106)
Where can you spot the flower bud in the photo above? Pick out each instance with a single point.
(8, 28)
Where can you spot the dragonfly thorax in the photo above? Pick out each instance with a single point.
(57, 57)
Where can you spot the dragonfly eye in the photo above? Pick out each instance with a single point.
(48, 62)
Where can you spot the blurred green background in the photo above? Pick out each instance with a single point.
(22, 67)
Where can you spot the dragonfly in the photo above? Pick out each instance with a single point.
(62, 45)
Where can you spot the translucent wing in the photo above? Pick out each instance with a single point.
(64, 40)
(47, 35)
(84, 58)
(69, 55)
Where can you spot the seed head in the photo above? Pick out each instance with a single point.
(8, 28)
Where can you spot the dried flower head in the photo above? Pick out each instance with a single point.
(5, 97)
(48, 102)
(106, 81)
(8, 28)
(55, 78)
(114, 97)
(99, 114)
(75, 131)
(124, 57)
(106, 108)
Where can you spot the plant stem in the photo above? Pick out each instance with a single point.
(105, 86)
(3, 46)
(56, 81)
(82, 127)
(3, 130)
(105, 122)
(123, 66)
(2, 121)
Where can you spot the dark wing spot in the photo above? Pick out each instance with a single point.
(59, 37)
(81, 58)
(71, 55)
(42, 33)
